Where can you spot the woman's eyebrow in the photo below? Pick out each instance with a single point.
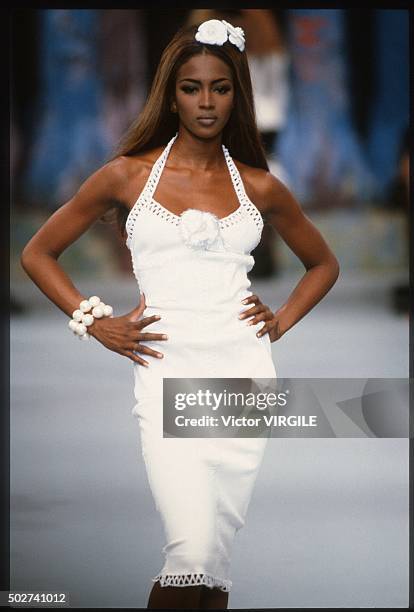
(197, 81)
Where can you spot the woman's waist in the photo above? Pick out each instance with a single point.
(203, 326)
(196, 294)
(192, 307)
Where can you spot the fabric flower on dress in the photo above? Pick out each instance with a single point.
(199, 229)
(217, 32)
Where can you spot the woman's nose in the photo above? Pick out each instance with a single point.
(206, 100)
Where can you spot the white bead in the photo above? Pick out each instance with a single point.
(107, 310)
(77, 315)
(87, 319)
(97, 312)
(81, 329)
(94, 301)
(73, 324)
(85, 306)
(85, 336)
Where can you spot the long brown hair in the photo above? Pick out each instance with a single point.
(157, 124)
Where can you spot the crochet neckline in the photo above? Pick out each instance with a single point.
(161, 161)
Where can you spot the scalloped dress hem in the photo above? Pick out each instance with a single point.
(193, 579)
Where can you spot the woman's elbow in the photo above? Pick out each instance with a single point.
(24, 258)
(27, 258)
(335, 268)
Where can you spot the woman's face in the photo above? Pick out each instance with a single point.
(204, 94)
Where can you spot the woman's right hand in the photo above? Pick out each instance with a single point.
(123, 334)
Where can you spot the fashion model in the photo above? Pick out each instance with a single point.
(192, 190)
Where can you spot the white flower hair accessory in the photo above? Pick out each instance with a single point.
(236, 35)
(200, 230)
(217, 32)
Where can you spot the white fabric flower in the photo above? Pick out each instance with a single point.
(236, 35)
(199, 229)
(212, 32)
(217, 32)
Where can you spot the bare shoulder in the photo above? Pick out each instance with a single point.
(125, 167)
(138, 163)
(263, 188)
(106, 181)
(124, 175)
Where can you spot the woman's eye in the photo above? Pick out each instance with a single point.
(188, 89)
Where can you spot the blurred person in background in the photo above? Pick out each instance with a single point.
(268, 58)
(199, 215)
(399, 199)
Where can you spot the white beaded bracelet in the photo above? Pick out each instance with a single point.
(82, 317)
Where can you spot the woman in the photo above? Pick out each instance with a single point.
(192, 214)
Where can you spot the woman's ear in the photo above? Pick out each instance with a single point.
(173, 106)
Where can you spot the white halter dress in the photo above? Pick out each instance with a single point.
(193, 270)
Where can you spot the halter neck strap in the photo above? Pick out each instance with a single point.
(156, 171)
(235, 176)
(158, 167)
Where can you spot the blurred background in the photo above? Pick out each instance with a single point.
(331, 96)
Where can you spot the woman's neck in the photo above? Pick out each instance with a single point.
(194, 153)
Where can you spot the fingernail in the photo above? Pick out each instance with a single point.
(157, 317)
(164, 337)
(244, 301)
(240, 316)
(159, 355)
(250, 323)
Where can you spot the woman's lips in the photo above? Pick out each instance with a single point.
(206, 120)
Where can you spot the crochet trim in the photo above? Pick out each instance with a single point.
(244, 200)
(183, 580)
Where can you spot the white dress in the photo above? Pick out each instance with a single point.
(193, 270)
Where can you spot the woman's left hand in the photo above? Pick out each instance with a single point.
(261, 312)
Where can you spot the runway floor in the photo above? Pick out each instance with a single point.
(328, 522)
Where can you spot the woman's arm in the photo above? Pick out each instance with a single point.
(283, 211)
(39, 257)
